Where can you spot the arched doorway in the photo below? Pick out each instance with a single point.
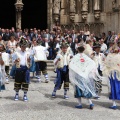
(7, 14)
(34, 14)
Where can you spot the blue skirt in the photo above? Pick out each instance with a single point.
(33, 65)
(115, 88)
(79, 93)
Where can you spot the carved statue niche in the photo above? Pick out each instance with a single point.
(113, 4)
(72, 10)
(97, 9)
(84, 9)
(63, 7)
(84, 5)
(56, 10)
(116, 5)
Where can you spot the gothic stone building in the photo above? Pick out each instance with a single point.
(97, 15)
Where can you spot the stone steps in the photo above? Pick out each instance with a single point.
(50, 65)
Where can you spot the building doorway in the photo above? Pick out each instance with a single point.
(34, 14)
(7, 14)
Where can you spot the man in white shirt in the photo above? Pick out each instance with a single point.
(46, 44)
(62, 63)
(103, 46)
(56, 46)
(99, 60)
(22, 76)
(40, 57)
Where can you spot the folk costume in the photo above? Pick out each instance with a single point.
(99, 59)
(2, 71)
(22, 75)
(112, 71)
(88, 50)
(6, 59)
(62, 59)
(40, 57)
(82, 72)
(13, 69)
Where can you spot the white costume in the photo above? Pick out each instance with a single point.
(2, 75)
(40, 53)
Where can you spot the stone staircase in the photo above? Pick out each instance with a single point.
(50, 65)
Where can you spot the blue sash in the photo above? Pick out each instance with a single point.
(58, 79)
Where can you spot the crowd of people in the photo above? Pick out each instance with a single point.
(81, 58)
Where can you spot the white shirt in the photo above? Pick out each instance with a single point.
(65, 59)
(23, 58)
(99, 60)
(74, 36)
(103, 47)
(12, 44)
(46, 45)
(40, 53)
(76, 45)
(57, 45)
(6, 58)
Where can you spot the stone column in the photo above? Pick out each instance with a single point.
(78, 17)
(78, 4)
(119, 3)
(51, 17)
(63, 5)
(97, 9)
(63, 15)
(19, 8)
(50, 14)
(19, 18)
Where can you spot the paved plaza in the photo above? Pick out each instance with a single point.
(42, 107)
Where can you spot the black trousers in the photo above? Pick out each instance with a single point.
(22, 78)
(7, 70)
(64, 79)
(41, 66)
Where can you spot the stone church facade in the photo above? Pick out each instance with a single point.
(96, 15)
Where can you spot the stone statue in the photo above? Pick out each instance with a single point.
(56, 9)
(72, 10)
(19, 1)
(72, 6)
(97, 9)
(56, 6)
(113, 3)
(96, 4)
(84, 5)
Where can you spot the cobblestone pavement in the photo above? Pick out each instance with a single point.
(42, 107)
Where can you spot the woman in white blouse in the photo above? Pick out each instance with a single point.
(11, 44)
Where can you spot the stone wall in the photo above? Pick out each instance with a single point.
(97, 15)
